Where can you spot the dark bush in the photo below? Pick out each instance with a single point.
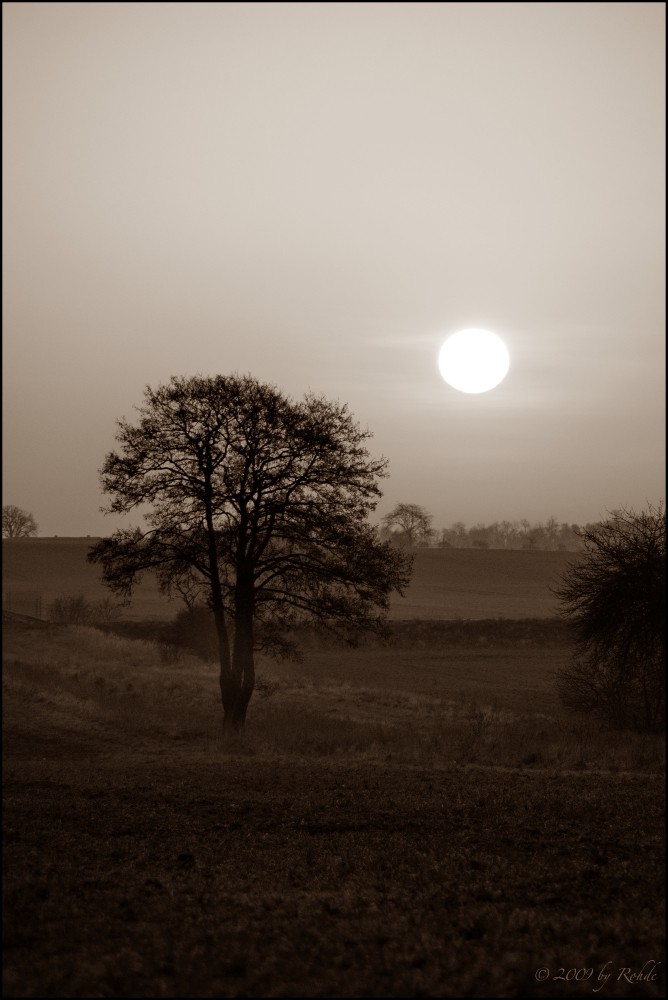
(193, 629)
(614, 599)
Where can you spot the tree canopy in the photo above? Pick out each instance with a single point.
(257, 505)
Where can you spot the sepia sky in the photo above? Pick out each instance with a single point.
(318, 194)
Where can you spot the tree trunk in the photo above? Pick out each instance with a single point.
(235, 705)
(237, 672)
(241, 679)
(228, 687)
(237, 696)
(225, 675)
(231, 693)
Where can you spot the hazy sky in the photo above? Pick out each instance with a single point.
(318, 194)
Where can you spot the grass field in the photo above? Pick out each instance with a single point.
(414, 820)
(446, 583)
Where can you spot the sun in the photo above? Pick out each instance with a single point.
(473, 360)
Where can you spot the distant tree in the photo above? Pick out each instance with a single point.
(551, 533)
(614, 599)
(259, 508)
(481, 537)
(446, 540)
(17, 523)
(459, 534)
(413, 523)
(534, 537)
(569, 537)
(451, 537)
(506, 531)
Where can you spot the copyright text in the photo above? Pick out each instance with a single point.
(648, 973)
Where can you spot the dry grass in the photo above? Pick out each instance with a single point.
(494, 707)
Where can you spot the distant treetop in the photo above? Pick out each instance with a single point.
(17, 523)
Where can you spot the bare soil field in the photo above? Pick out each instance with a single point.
(446, 583)
(488, 583)
(397, 821)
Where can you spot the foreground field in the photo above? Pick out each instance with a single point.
(393, 824)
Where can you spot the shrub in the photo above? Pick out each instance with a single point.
(614, 600)
(75, 609)
(70, 610)
(194, 629)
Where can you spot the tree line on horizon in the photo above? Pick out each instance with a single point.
(410, 526)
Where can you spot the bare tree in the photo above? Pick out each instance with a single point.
(17, 523)
(412, 521)
(614, 599)
(259, 506)
(551, 533)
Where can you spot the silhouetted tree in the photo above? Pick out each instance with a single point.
(259, 505)
(614, 599)
(17, 523)
(412, 521)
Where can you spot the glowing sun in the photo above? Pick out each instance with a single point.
(473, 360)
